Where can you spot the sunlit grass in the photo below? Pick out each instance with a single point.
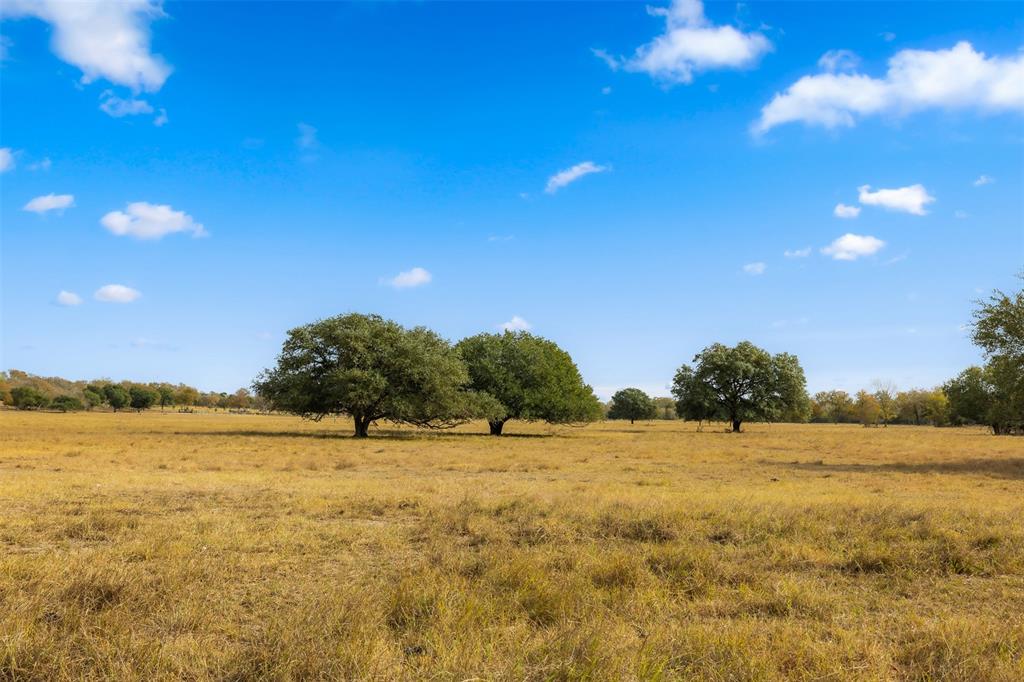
(252, 547)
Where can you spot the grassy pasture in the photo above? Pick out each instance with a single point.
(232, 547)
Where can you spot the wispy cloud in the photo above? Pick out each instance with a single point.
(6, 159)
(755, 268)
(118, 107)
(983, 180)
(49, 202)
(416, 277)
(797, 253)
(570, 175)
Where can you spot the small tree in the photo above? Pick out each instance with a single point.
(166, 392)
(885, 393)
(740, 384)
(371, 369)
(116, 396)
(632, 404)
(835, 406)
(28, 398)
(867, 408)
(529, 378)
(143, 397)
(67, 403)
(92, 397)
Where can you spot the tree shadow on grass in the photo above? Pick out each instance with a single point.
(375, 434)
(996, 467)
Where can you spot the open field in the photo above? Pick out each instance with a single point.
(239, 547)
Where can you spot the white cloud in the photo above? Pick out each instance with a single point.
(49, 202)
(6, 159)
(5, 46)
(888, 36)
(957, 78)
(911, 199)
(143, 220)
(606, 90)
(108, 40)
(755, 268)
(691, 44)
(416, 277)
(852, 247)
(984, 180)
(516, 324)
(960, 214)
(43, 165)
(843, 211)
(161, 119)
(798, 253)
(564, 177)
(838, 60)
(118, 107)
(116, 293)
(68, 298)
(307, 137)
(612, 62)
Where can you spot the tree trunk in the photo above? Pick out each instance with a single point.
(735, 425)
(496, 427)
(362, 426)
(630, 420)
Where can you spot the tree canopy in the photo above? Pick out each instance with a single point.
(529, 377)
(632, 404)
(739, 384)
(370, 369)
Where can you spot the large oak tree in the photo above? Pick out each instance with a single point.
(530, 377)
(738, 384)
(370, 369)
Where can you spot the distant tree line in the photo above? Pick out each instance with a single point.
(372, 370)
(29, 392)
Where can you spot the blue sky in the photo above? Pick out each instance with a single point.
(625, 180)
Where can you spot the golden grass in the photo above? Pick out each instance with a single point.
(232, 547)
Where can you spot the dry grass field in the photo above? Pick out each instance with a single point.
(233, 547)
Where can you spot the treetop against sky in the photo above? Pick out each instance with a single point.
(182, 183)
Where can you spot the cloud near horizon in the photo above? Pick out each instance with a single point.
(516, 324)
(116, 293)
(957, 78)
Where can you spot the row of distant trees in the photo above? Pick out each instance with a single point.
(745, 383)
(372, 370)
(29, 392)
